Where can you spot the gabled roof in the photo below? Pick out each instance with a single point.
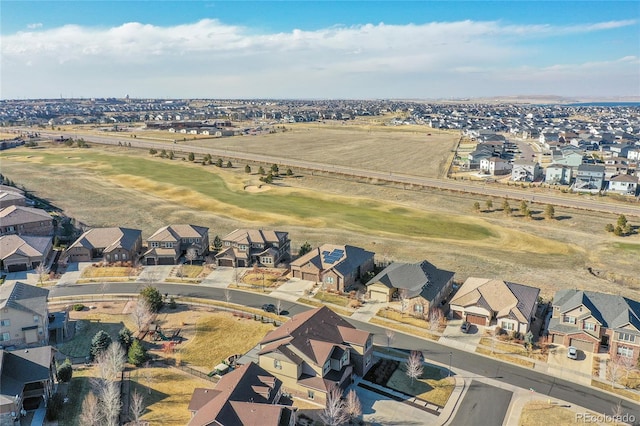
(506, 299)
(624, 178)
(419, 279)
(23, 366)
(341, 259)
(255, 236)
(315, 333)
(24, 297)
(591, 168)
(28, 246)
(177, 232)
(609, 310)
(245, 396)
(15, 215)
(108, 239)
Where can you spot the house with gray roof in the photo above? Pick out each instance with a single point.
(249, 395)
(25, 221)
(589, 178)
(419, 286)
(624, 185)
(336, 267)
(596, 322)
(525, 171)
(558, 174)
(489, 303)
(11, 198)
(108, 244)
(23, 252)
(26, 378)
(23, 315)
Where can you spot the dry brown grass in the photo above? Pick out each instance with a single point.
(512, 348)
(536, 411)
(623, 392)
(415, 331)
(108, 271)
(505, 357)
(433, 389)
(334, 308)
(392, 314)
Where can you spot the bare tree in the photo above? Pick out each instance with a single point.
(613, 368)
(110, 365)
(141, 313)
(191, 255)
(90, 414)
(352, 405)
(278, 306)
(180, 271)
(227, 296)
(41, 270)
(414, 365)
(334, 413)
(147, 376)
(435, 318)
(110, 403)
(137, 406)
(403, 296)
(628, 364)
(111, 362)
(390, 336)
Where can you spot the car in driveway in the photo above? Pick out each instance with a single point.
(465, 327)
(572, 352)
(269, 307)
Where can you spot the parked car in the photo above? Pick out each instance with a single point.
(465, 327)
(572, 352)
(269, 307)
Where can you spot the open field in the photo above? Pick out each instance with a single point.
(397, 224)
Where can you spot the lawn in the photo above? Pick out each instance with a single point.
(87, 328)
(505, 357)
(535, 412)
(76, 391)
(624, 392)
(336, 299)
(628, 247)
(318, 303)
(220, 335)
(108, 271)
(403, 318)
(431, 386)
(404, 328)
(261, 279)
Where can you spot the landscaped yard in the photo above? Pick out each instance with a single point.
(405, 328)
(431, 386)
(77, 389)
(109, 271)
(336, 299)
(505, 357)
(536, 412)
(512, 349)
(263, 278)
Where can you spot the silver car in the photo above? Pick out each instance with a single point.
(572, 352)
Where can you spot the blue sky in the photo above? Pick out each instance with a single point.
(344, 49)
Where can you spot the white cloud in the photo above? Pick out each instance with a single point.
(34, 26)
(208, 57)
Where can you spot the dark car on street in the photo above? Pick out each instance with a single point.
(269, 307)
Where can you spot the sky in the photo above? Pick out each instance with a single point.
(319, 49)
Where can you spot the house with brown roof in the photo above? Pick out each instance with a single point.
(26, 378)
(245, 247)
(488, 302)
(108, 244)
(23, 252)
(594, 322)
(336, 267)
(24, 316)
(314, 351)
(25, 221)
(420, 286)
(11, 198)
(169, 243)
(248, 395)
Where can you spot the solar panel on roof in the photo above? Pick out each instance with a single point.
(325, 253)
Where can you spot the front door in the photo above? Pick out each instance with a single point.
(604, 341)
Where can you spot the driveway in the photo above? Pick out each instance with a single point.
(72, 273)
(562, 366)
(292, 289)
(452, 336)
(222, 276)
(378, 409)
(482, 404)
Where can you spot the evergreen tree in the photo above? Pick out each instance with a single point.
(191, 156)
(304, 249)
(125, 337)
(137, 354)
(489, 204)
(217, 243)
(99, 343)
(64, 371)
(261, 170)
(476, 207)
(289, 172)
(229, 165)
(622, 221)
(219, 162)
(550, 212)
(153, 298)
(247, 169)
(506, 208)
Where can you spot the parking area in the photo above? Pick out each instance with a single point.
(583, 365)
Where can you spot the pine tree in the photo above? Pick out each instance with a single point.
(125, 337)
(550, 212)
(99, 343)
(137, 353)
(247, 169)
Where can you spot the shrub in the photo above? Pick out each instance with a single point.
(65, 371)
(172, 303)
(78, 307)
(137, 353)
(153, 297)
(55, 405)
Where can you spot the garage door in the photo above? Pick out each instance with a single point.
(477, 319)
(558, 339)
(165, 261)
(225, 262)
(308, 276)
(378, 295)
(17, 268)
(582, 345)
(151, 261)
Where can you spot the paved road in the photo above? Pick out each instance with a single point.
(482, 404)
(496, 190)
(477, 365)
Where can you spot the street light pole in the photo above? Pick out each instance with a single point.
(449, 372)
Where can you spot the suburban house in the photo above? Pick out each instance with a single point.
(571, 159)
(314, 351)
(249, 395)
(23, 252)
(558, 174)
(23, 315)
(169, 243)
(420, 286)
(336, 267)
(26, 379)
(589, 178)
(592, 322)
(246, 247)
(25, 221)
(624, 184)
(495, 166)
(487, 302)
(11, 198)
(525, 171)
(108, 244)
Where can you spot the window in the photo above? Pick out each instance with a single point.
(626, 337)
(418, 308)
(155, 244)
(569, 320)
(311, 394)
(506, 325)
(589, 326)
(625, 352)
(36, 318)
(124, 256)
(115, 256)
(367, 360)
(6, 337)
(168, 245)
(277, 364)
(5, 323)
(265, 260)
(328, 280)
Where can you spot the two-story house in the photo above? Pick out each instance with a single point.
(558, 174)
(23, 252)
(624, 185)
(525, 171)
(249, 395)
(23, 315)
(495, 166)
(314, 351)
(336, 267)
(589, 178)
(169, 243)
(109, 244)
(25, 221)
(420, 286)
(594, 322)
(246, 247)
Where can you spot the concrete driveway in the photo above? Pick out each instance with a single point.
(292, 289)
(452, 336)
(222, 276)
(563, 366)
